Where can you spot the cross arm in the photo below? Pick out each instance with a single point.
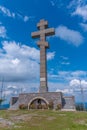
(35, 34)
(46, 32)
(50, 31)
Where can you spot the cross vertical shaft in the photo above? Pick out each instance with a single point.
(42, 33)
(43, 70)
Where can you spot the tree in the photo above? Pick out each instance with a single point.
(1, 100)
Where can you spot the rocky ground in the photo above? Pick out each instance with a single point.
(42, 120)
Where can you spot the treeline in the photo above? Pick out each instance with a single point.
(81, 107)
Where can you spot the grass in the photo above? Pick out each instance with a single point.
(43, 120)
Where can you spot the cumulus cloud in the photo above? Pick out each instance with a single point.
(74, 82)
(78, 84)
(19, 62)
(21, 51)
(7, 93)
(70, 36)
(3, 31)
(65, 91)
(81, 11)
(84, 26)
(16, 61)
(11, 87)
(14, 88)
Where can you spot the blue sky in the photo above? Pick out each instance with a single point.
(19, 54)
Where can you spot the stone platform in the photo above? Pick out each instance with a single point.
(44, 98)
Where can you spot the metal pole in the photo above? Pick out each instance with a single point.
(82, 93)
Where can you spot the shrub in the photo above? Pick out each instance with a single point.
(45, 106)
(79, 107)
(51, 105)
(32, 106)
(1, 100)
(59, 106)
(39, 106)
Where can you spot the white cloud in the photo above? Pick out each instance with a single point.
(64, 58)
(11, 87)
(20, 62)
(79, 73)
(10, 14)
(26, 18)
(53, 2)
(7, 12)
(84, 26)
(67, 76)
(84, 83)
(21, 51)
(74, 82)
(77, 84)
(7, 93)
(78, 8)
(65, 91)
(76, 3)
(58, 3)
(2, 31)
(68, 35)
(65, 63)
(16, 61)
(14, 88)
(50, 55)
(81, 11)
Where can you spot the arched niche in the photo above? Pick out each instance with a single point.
(38, 103)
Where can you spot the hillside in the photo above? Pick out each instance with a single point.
(42, 120)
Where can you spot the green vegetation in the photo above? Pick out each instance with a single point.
(42, 120)
(1, 100)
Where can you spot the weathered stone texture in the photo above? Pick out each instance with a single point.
(68, 102)
(56, 97)
(42, 33)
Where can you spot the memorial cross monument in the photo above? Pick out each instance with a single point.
(43, 98)
(43, 44)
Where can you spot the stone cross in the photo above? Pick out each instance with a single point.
(42, 33)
